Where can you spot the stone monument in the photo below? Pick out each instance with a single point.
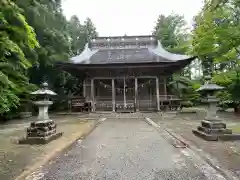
(212, 128)
(43, 130)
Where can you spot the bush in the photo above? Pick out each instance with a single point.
(225, 104)
(186, 104)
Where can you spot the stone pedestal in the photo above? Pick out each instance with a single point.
(41, 132)
(43, 109)
(214, 130)
(212, 108)
(43, 113)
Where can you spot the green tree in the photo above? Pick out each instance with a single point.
(216, 36)
(77, 33)
(89, 29)
(172, 32)
(59, 39)
(17, 49)
(185, 88)
(51, 28)
(216, 40)
(174, 35)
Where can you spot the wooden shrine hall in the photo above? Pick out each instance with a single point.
(126, 73)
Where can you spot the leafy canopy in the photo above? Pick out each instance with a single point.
(17, 42)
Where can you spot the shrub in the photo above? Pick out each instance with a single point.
(186, 104)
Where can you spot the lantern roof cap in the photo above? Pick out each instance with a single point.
(209, 85)
(44, 90)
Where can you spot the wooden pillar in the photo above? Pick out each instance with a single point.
(124, 92)
(157, 94)
(92, 95)
(136, 94)
(150, 94)
(165, 87)
(113, 96)
(84, 88)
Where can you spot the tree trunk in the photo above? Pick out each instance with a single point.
(237, 109)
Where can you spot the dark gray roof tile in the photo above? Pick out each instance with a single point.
(121, 53)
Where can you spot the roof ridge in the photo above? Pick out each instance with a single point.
(134, 36)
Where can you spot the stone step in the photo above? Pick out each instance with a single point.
(213, 124)
(215, 137)
(229, 137)
(214, 131)
(205, 136)
(40, 140)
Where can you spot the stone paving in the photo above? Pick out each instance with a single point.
(16, 159)
(225, 154)
(123, 148)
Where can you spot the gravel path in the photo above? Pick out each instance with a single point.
(126, 149)
(225, 153)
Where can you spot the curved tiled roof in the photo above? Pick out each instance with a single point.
(209, 87)
(130, 49)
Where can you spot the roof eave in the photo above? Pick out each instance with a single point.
(181, 63)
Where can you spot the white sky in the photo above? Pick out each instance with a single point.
(131, 17)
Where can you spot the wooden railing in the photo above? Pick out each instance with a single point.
(168, 97)
(105, 102)
(162, 97)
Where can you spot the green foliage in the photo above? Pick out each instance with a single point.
(80, 33)
(225, 78)
(77, 33)
(185, 88)
(59, 40)
(186, 104)
(172, 32)
(216, 37)
(34, 35)
(216, 40)
(17, 40)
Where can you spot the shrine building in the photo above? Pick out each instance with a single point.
(126, 73)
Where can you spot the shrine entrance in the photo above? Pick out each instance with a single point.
(147, 99)
(125, 95)
(103, 92)
(118, 94)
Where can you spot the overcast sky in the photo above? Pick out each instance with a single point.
(131, 17)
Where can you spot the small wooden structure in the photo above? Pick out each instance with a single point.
(79, 103)
(126, 73)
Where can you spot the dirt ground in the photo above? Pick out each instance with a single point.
(15, 158)
(226, 153)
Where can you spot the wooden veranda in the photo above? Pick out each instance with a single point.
(142, 93)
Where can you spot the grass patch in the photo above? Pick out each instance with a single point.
(236, 128)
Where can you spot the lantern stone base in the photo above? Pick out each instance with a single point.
(214, 130)
(41, 132)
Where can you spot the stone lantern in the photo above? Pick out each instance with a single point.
(43, 130)
(212, 128)
(209, 89)
(43, 104)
